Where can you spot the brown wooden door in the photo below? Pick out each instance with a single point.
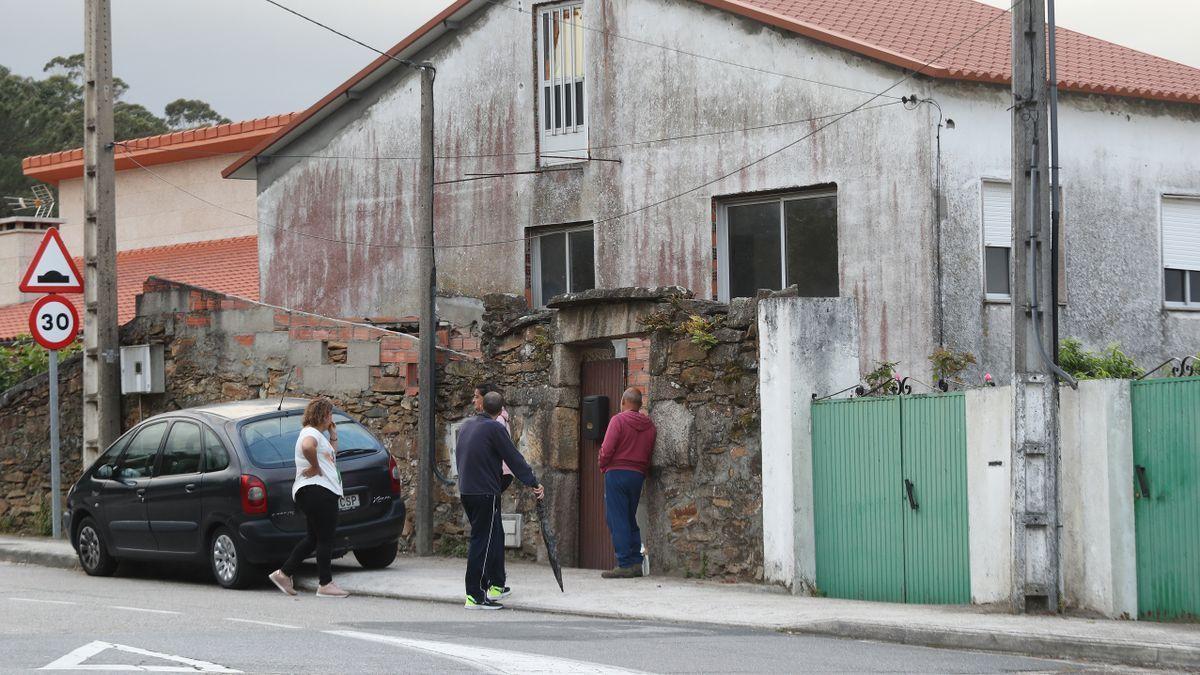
(604, 378)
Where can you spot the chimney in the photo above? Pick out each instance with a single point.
(19, 239)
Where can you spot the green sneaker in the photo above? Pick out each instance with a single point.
(498, 592)
(472, 603)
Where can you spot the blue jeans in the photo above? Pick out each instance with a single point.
(622, 490)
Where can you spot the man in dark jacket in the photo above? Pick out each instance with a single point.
(483, 443)
(625, 459)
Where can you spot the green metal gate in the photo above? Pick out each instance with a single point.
(1166, 472)
(890, 498)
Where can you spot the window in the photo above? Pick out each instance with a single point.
(1181, 251)
(563, 262)
(997, 242)
(216, 457)
(181, 454)
(138, 459)
(777, 242)
(562, 93)
(271, 442)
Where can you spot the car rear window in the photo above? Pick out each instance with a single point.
(271, 442)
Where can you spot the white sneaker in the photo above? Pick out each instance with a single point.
(283, 582)
(331, 590)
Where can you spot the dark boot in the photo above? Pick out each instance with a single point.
(630, 572)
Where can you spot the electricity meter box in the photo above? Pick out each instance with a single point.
(142, 370)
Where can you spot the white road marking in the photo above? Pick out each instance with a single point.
(75, 661)
(143, 609)
(492, 660)
(261, 623)
(48, 602)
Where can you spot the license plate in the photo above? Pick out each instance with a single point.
(348, 502)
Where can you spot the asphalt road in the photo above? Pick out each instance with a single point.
(148, 618)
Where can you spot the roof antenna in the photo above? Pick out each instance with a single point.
(283, 394)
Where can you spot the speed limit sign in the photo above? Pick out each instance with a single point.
(54, 322)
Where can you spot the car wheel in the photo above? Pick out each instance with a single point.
(377, 557)
(229, 567)
(93, 551)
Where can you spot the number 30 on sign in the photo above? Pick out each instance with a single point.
(54, 322)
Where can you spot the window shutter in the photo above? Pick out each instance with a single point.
(1181, 233)
(997, 214)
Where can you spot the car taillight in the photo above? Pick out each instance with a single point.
(394, 474)
(254, 495)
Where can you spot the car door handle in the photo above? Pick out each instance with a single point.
(189, 488)
(141, 493)
(908, 491)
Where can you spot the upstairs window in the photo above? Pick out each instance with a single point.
(777, 242)
(1181, 251)
(997, 240)
(563, 262)
(562, 92)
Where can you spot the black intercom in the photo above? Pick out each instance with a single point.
(595, 417)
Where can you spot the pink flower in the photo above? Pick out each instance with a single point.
(987, 377)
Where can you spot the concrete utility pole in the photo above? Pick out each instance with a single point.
(101, 370)
(426, 422)
(1035, 396)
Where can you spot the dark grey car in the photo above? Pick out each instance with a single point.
(213, 485)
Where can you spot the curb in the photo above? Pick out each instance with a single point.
(1056, 647)
(65, 561)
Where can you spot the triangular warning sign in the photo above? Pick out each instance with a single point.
(52, 269)
(76, 660)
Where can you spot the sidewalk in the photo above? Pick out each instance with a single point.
(1133, 643)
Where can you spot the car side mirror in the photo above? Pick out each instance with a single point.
(105, 471)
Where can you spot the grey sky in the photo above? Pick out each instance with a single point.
(249, 59)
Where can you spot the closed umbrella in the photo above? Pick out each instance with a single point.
(551, 543)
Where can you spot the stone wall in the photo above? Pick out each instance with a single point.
(25, 447)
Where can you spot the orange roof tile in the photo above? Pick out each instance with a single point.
(908, 33)
(171, 147)
(223, 265)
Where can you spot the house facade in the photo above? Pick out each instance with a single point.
(718, 158)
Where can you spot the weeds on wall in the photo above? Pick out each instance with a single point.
(702, 331)
(23, 358)
(885, 371)
(947, 363)
(1108, 363)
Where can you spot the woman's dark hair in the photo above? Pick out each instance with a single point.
(485, 388)
(317, 411)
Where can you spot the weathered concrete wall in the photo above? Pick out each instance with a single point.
(1099, 549)
(807, 345)
(878, 159)
(153, 213)
(1118, 158)
(989, 493)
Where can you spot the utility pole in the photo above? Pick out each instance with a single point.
(426, 370)
(101, 370)
(1034, 457)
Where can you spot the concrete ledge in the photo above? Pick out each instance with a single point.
(37, 551)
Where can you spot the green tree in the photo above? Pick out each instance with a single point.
(189, 113)
(46, 115)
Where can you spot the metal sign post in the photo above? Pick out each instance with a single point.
(55, 462)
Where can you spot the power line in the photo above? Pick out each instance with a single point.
(612, 146)
(403, 62)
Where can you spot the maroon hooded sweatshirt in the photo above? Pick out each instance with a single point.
(628, 443)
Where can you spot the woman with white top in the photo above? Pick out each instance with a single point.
(316, 491)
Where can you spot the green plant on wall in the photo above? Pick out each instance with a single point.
(885, 371)
(659, 321)
(1109, 363)
(947, 363)
(701, 331)
(23, 358)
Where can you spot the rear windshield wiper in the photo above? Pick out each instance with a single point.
(354, 452)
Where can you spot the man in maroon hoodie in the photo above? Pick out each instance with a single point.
(625, 459)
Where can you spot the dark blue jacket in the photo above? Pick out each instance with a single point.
(482, 444)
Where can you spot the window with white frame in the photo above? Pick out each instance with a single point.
(562, 92)
(776, 242)
(997, 239)
(563, 261)
(1181, 251)
(997, 242)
